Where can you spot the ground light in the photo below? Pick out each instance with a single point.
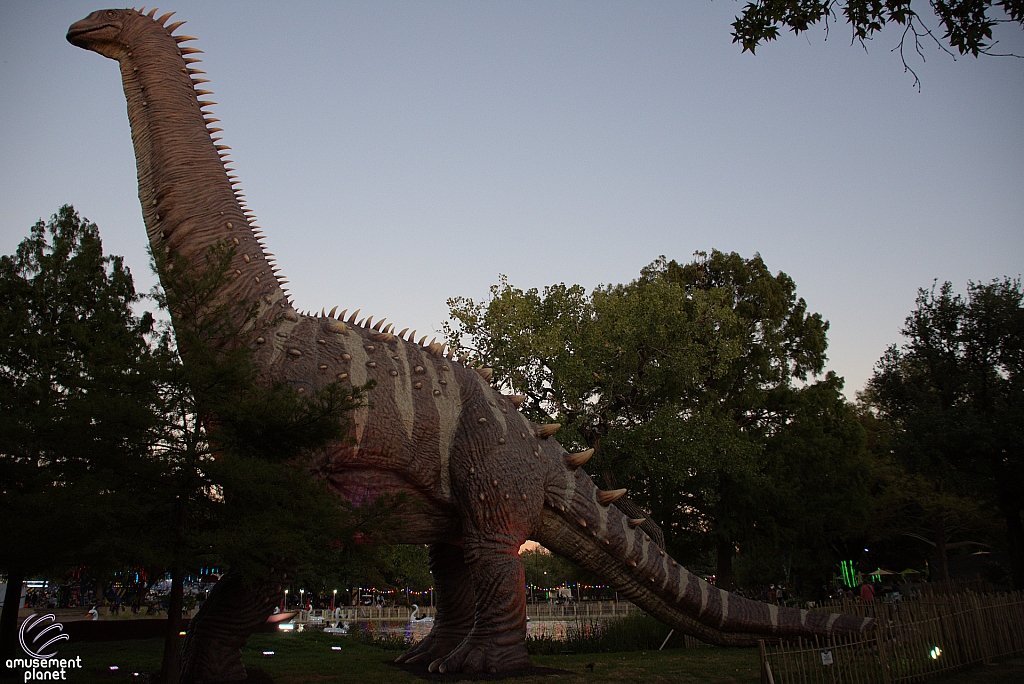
(286, 626)
(268, 654)
(114, 668)
(935, 653)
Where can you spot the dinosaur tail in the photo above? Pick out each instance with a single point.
(576, 524)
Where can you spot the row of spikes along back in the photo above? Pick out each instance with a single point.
(436, 348)
(196, 76)
(338, 325)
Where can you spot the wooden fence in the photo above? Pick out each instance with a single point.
(924, 638)
(585, 610)
(535, 611)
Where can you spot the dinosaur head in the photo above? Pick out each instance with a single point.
(112, 32)
(103, 32)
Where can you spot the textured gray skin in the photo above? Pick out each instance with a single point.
(484, 477)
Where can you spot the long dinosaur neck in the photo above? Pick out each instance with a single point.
(189, 202)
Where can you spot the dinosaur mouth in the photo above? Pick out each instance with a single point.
(77, 34)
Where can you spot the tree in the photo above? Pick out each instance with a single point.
(227, 475)
(820, 473)
(117, 451)
(74, 384)
(770, 340)
(545, 570)
(678, 380)
(937, 517)
(398, 566)
(967, 24)
(954, 399)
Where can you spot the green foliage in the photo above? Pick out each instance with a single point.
(967, 24)
(75, 385)
(231, 463)
(950, 402)
(820, 474)
(636, 632)
(695, 385)
(121, 447)
(384, 566)
(548, 571)
(309, 656)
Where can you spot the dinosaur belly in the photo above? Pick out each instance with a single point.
(415, 515)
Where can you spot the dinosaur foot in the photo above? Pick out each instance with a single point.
(482, 654)
(439, 643)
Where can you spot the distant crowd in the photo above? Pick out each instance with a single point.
(780, 594)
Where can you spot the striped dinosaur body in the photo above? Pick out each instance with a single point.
(485, 478)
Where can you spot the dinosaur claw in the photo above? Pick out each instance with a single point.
(434, 665)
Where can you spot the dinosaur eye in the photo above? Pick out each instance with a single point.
(112, 14)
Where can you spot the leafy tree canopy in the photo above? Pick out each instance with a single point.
(686, 382)
(76, 379)
(75, 368)
(967, 24)
(116, 450)
(952, 400)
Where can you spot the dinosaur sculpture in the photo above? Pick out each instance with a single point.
(485, 477)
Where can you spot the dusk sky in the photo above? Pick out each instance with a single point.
(401, 153)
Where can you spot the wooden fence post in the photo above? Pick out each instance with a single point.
(882, 657)
(766, 668)
(979, 628)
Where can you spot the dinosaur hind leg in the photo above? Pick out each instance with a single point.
(453, 589)
(497, 642)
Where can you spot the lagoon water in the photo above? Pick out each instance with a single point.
(416, 630)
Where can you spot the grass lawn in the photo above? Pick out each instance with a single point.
(308, 658)
(1002, 672)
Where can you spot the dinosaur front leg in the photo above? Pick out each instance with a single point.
(212, 651)
(497, 642)
(453, 589)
